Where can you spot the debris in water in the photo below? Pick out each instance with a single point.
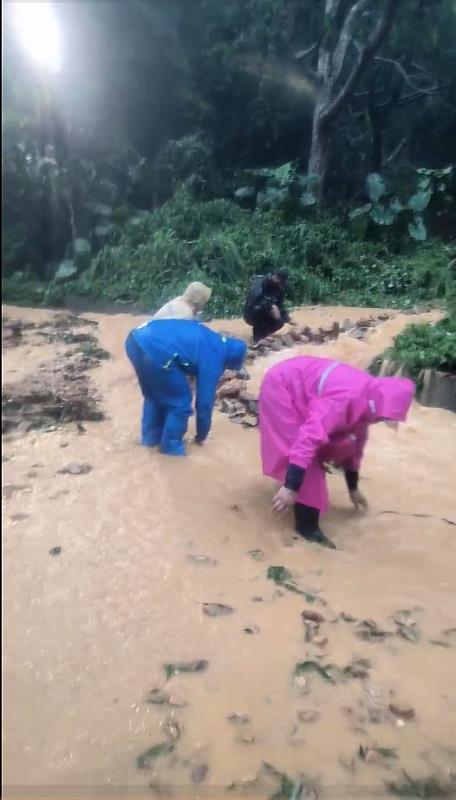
(347, 617)
(257, 555)
(402, 711)
(407, 627)
(11, 488)
(373, 753)
(304, 667)
(76, 469)
(185, 666)
(370, 631)
(172, 729)
(55, 551)
(238, 718)
(19, 517)
(247, 738)
(210, 562)
(312, 616)
(253, 629)
(309, 715)
(144, 761)
(199, 773)
(283, 577)
(425, 788)
(217, 609)
(159, 697)
(358, 668)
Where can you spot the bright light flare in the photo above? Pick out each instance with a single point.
(39, 33)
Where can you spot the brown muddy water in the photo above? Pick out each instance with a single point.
(87, 632)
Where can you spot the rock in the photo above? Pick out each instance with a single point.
(250, 421)
(402, 711)
(55, 551)
(364, 323)
(76, 469)
(304, 339)
(347, 617)
(382, 317)
(312, 616)
(231, 388)
(347, 325)
(295, 335)
(276, 345)
(356, 333)
(288, 340)
(247, 397)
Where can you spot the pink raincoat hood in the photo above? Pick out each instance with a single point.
(391, 398)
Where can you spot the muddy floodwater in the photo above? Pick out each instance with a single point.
(89, 627)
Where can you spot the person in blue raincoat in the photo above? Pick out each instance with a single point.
(164, 353)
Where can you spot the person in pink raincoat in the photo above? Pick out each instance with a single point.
(315, 411)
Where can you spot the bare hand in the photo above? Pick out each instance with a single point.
(358, 500)
(283, 500)
(275, 312)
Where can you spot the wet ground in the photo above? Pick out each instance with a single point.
(102, 589)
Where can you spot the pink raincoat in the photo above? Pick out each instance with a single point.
(316, 410)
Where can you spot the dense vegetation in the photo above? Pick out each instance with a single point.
(217, 140)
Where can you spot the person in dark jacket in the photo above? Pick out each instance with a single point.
(164, 353)
(264, 307)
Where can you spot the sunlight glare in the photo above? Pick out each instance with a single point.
(39, 32)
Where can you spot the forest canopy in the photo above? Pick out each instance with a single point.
(200, 138)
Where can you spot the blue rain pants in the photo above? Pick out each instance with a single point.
(167, 401)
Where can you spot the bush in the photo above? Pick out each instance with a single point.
(156, 254)
(425, 346)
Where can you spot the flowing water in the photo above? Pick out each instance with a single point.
(87, 632)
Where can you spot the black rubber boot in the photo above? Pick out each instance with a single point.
(306, 524)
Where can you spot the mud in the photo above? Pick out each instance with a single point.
(105, 591)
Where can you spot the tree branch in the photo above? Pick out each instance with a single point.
(403, 74)
(366, 55)
(395, 153)
(301, 54)
(346, 36)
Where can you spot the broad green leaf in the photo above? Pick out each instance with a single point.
(376, 187)
(144, 760)
(417, 229)
(361, 211)
(185, 666)
(382, 215)
(420, 201)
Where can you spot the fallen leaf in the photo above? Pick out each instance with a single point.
(199, 773)
(238, 718)
(210, 562)
(217, 609)
(402, 711)
(283, 577)
(160, 698)
(304, 667)
(312, 616)
(185, 666)
(172, 729)
(370, 631)
(308, 715)
(144, 761)
(257, 555)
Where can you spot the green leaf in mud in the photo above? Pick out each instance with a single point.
(217, 609)
(144, 761)
(421, 788)
(185, 666)
(283, 577)
(304, 667)
(257, 555)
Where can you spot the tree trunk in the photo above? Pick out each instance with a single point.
(318, 158)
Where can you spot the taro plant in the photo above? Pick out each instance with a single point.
(386, 209)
